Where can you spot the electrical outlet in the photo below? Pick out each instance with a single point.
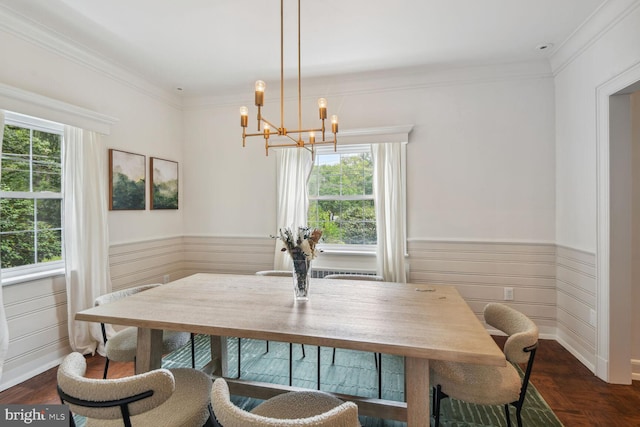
(508, 294)
(165, 278)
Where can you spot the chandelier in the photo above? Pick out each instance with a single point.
(266, 128)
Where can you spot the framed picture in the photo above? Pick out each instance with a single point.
(164, 183)
(127, 173)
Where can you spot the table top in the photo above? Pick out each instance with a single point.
(415, 320)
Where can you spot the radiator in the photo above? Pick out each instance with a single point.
(319, 274)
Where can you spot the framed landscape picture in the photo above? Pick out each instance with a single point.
(127, 175)
(164, 184)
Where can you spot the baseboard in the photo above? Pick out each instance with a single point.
(37, 369)
(576, 354)
(635, 369)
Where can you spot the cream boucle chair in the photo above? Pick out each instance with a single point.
(491, 385)
(171, 398)
(376, 356)
(277, 273)
(299, 408)
(122, 346)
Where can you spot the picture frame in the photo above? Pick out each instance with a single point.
(163, 183)
(127, 180)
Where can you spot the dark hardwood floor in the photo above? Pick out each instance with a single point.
(576, 396)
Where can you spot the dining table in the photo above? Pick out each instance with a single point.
(418, 321)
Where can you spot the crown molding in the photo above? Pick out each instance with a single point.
(406, 79)
(32, 32)
(598, 24)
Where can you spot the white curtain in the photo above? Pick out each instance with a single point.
(292, 170)
(389, 189)
(4, 328)
(86, 237)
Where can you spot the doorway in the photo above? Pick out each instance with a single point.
(618, 330)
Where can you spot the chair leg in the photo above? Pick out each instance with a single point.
(290, 364)
(506, 414)
(106, 368)
(318, 367)
(333, 358)
(267, 347)
(303, 353)
(519, 415)
(378, 357)
(239, 355)
(193, 351)
(437, 397)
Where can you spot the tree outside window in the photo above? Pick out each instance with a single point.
(341, 197)
(31, 196)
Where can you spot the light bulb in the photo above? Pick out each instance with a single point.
(322, 103)
(244, 116)
(260, 86)
(334, 124)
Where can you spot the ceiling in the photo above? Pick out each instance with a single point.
(206, 47)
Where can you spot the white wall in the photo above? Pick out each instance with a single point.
(635, 252)
(480, 157)
(597, 54)
(149, 123)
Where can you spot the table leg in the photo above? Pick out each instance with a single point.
(417, 392)
(149, 351)
(219, 356)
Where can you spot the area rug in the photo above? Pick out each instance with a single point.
(352, 373)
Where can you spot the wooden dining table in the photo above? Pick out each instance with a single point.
(421, 322)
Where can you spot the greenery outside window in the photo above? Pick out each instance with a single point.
(341, 197)
(31, 196)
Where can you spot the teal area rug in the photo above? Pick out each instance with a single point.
(353, 373)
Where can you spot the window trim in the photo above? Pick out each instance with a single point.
(29, 272)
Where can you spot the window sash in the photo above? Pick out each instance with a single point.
(18, 273)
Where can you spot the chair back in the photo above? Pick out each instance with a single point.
(522, 332)
(369, 277)
(114, 296)
(229, 415)
(278, 273)
(111, 399)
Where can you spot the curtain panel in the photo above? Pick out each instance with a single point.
(86, 248)
(389, 189)
(4, 327)
(292, 171)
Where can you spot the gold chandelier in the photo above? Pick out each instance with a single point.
(268, 129)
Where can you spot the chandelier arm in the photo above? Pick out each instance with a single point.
(271, 124)
(299, 77)
(282, 64)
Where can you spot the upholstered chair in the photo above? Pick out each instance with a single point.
(277, 273)
(122, 346)
(377, 356)
(299, 408)
(491, 385)
(171, 398)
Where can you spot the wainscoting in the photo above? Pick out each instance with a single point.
(38, 333)
(576, 290)
(481, 271)
(553, 285)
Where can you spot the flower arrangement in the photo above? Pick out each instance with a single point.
(301, 245)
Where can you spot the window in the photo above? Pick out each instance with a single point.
(31, 193)
(341, 196)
